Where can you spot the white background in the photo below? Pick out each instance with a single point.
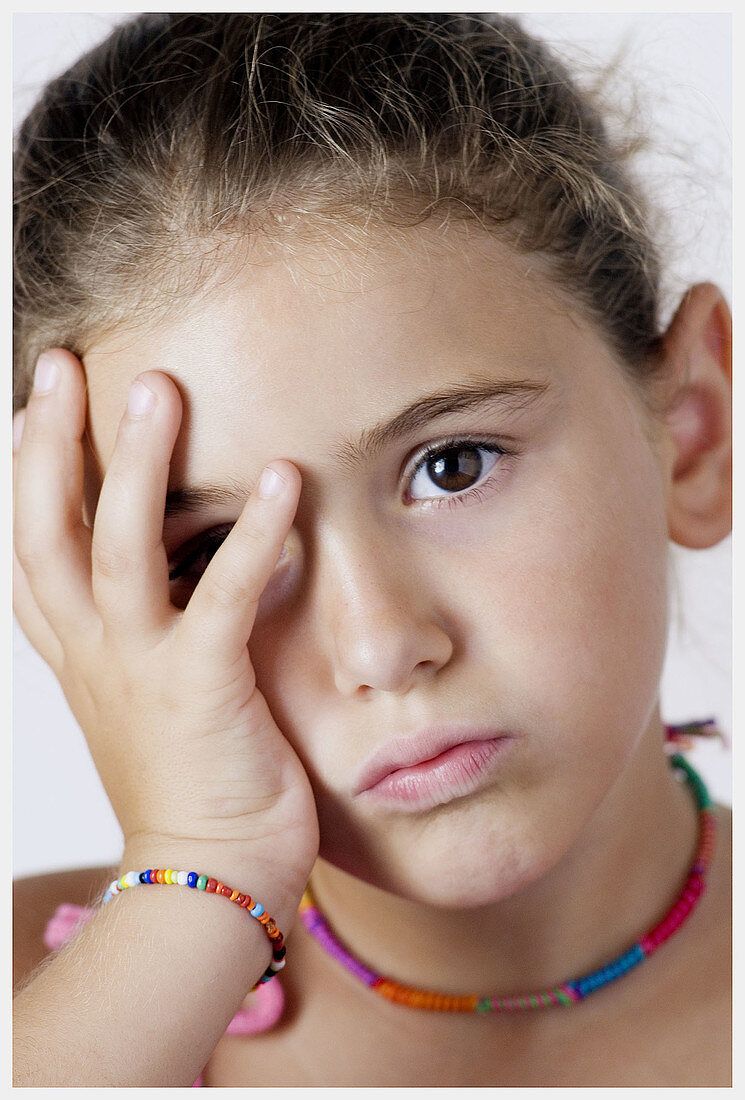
(680, 67)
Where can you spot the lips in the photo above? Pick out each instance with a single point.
(416, 748)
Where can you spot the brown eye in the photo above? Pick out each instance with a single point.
(452, 467)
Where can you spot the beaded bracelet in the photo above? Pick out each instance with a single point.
(210, 886)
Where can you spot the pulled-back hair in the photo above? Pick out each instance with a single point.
(183, 131)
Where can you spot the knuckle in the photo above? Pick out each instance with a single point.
(251, 536)
(231, 585)
(25, 549)
(116, 491)
(112, 562)
(33, 553)
(227, 590)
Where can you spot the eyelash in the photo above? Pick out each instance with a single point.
(458, 443)
(209, 542)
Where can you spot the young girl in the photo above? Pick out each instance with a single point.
(349, 455)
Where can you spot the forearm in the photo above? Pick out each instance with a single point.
(144, 992)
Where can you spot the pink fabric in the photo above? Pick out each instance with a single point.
(68, 920)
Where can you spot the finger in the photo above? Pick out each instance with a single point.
(30, 619)
(32, 622)
(51, 540)
(129, 561)
(220, 615)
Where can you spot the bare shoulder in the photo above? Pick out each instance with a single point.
(35, 899)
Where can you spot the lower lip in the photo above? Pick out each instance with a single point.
(456, 772)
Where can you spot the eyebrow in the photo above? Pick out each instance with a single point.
(353, 453)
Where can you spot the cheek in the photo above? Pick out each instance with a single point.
(578, 611)
(282, 653)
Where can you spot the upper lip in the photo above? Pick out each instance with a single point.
(415, 748)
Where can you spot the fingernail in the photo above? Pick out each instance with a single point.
(18, 420)
(271, 484)
(46, 375)
(141, 399)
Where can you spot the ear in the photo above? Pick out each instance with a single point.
(697, 349)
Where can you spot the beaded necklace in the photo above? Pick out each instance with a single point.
(577, 989)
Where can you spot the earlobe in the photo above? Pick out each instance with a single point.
(697, 349)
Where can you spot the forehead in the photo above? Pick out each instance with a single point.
(300, 351)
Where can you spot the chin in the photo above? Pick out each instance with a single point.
(456, 861)
(471, 884)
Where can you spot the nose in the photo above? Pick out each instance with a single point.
(385, 630)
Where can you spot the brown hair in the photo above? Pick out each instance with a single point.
(181, 131)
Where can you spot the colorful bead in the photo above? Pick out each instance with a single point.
(194, 880)
(570, 992)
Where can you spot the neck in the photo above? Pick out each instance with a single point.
(610, 888)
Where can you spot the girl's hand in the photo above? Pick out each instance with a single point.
(185, 744)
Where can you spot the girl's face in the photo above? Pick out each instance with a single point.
(524, 591)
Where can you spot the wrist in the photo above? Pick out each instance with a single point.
(247, 871)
